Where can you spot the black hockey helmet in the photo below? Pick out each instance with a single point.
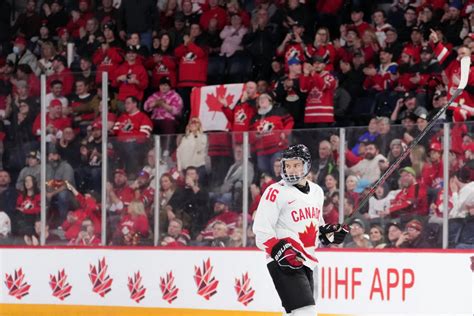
(300, 152)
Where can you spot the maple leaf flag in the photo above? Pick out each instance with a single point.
(206, 103)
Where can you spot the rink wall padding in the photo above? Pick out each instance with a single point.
(157, 281)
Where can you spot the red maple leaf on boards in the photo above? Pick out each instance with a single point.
(214, 101)
(308, 237)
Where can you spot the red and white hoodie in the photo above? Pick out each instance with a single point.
(284, 212)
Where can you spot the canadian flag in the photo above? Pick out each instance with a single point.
(206, 103)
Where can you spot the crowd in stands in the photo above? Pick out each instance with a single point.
(383, 69)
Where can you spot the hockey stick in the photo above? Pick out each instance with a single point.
(465, 67)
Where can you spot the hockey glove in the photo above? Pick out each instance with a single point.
(287, 256)
(332, 233)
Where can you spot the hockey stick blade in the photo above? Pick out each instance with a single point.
(465, 67)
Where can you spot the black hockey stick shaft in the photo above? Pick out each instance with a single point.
(405, 153)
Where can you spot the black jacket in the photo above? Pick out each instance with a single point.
(138, 16)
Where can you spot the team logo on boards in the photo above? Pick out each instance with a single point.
(168, 288)
(206, 283)
(101, 281)
(16, 285)
(243, 289)
(136, 288)
(61, 289)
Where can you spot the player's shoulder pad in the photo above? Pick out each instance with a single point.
(315, 187)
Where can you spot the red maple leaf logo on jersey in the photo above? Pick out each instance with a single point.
(308, 237)
(213, 102)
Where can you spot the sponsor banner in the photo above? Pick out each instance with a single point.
(206, 103)
(351, 283)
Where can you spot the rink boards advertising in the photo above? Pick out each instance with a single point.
(228, 282)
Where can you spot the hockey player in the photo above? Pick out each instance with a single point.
(286, 226)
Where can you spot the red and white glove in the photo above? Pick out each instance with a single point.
(287, 257)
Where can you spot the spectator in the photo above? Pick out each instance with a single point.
(380, 25)
(242, 113)
(320, 86)
(133, 227)
(58, 172)
(8, 195)
(393, 43)
(233, 180)
(192, 65)
(22, 55)
(214, 12)
(260, 43)
(28, 206)
(130, 77)
(220, 235)
(370, 135)
(55, 122)
(330, 184)
(293, 45)
(175, 235)
(376, 237)
(5, 229)
(452, 23)
(359, 239)
(432, 172)
(450, 63)
(34, 239)
(141, 18)
(190, 204)
(385, 134)
(288, 93)
(165, 107)
(68, 147)
(325, 164)
(394, 232)
(56, 92)
(133, 130)
(232, 36)
(412, 199)
(143, 192)
(379, 204)
(107, 12)
(221, 213)
(192, 149)
(61, 73)
(368, 168)
(81, 106)
(330, 212)
(271, 127)
(87, 235)
(463, 190)
(167, 190)
(119, 194)
(412, 237)
(162, 62)
(142, 51)
(32, 168)
(20, 138)
(191, 14)
(48, 51)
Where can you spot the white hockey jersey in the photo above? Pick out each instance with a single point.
(287, 213)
